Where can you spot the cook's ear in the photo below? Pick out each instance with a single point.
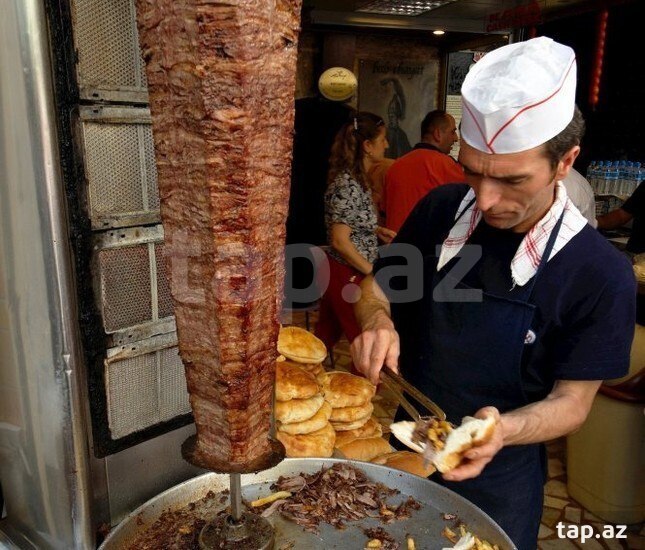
(566, 162)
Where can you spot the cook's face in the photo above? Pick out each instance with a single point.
(513, 190)
(448, 135)
(378, 145)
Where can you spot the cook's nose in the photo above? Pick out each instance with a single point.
(488, 194)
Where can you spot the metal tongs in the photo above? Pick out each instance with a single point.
(397, 384)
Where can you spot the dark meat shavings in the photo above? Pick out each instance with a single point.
(178, 529)
(388, 542)
(338, 495)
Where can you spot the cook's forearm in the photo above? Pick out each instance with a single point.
(562, 412)
(373, 307)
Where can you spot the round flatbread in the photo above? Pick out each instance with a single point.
(372, 428)
(343, 389)
(315, 368)
(319, 443)
(294, 382)
(317, 422)
(298, 410)
(364, 449)
(406, 461)
(351, 414)
(346, 426)
(301, 346)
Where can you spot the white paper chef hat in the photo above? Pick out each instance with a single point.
(518, 96)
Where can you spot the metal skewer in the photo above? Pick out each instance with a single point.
(236, 497)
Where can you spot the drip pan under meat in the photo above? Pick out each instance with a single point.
(185, 508)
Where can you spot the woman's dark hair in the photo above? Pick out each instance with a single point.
(347, 150)
(571, 136)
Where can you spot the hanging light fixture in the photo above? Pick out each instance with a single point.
(405, 7)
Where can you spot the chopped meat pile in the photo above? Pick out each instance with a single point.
(337, 495)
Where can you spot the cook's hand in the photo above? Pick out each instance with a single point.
(477, 457)
(376, 345)
(385, 235)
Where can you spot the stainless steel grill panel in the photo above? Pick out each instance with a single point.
(109, 64)
(131, 390)
(134, 291)
(119, 166)
(125, 287)
(144, 385)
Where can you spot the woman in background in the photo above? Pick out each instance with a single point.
(351, 221)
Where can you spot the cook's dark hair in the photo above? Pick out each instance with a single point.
(434, 119)
(347, 150)
(571, 136)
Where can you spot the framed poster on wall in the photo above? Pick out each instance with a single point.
(402, 93)
(459, 63)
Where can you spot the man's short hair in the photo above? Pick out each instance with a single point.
(436, 119)
(571, 136)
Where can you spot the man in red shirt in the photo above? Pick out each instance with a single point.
(427, 166)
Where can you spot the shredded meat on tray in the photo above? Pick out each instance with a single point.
(337, 495)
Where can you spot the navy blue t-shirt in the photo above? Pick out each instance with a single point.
(584, 297)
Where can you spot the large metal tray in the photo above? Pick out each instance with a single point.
(424, 526)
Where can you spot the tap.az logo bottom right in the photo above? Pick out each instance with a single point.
(586, 532)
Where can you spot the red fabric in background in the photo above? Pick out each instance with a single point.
(336, 315)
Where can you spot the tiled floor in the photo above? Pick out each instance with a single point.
(558, 506)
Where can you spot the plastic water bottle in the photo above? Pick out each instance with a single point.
(621, 182)
(612, 178)
(601, 181)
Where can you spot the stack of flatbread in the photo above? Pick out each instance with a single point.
(301, 412)
(358, 433)
(300, 346)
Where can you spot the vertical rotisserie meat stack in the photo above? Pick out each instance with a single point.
(221, 78)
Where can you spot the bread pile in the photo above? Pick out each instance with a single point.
(358, 433)
(301, 412)
(316, 410)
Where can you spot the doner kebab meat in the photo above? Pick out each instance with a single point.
(221, 79)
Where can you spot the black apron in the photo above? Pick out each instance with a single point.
(469, 357)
